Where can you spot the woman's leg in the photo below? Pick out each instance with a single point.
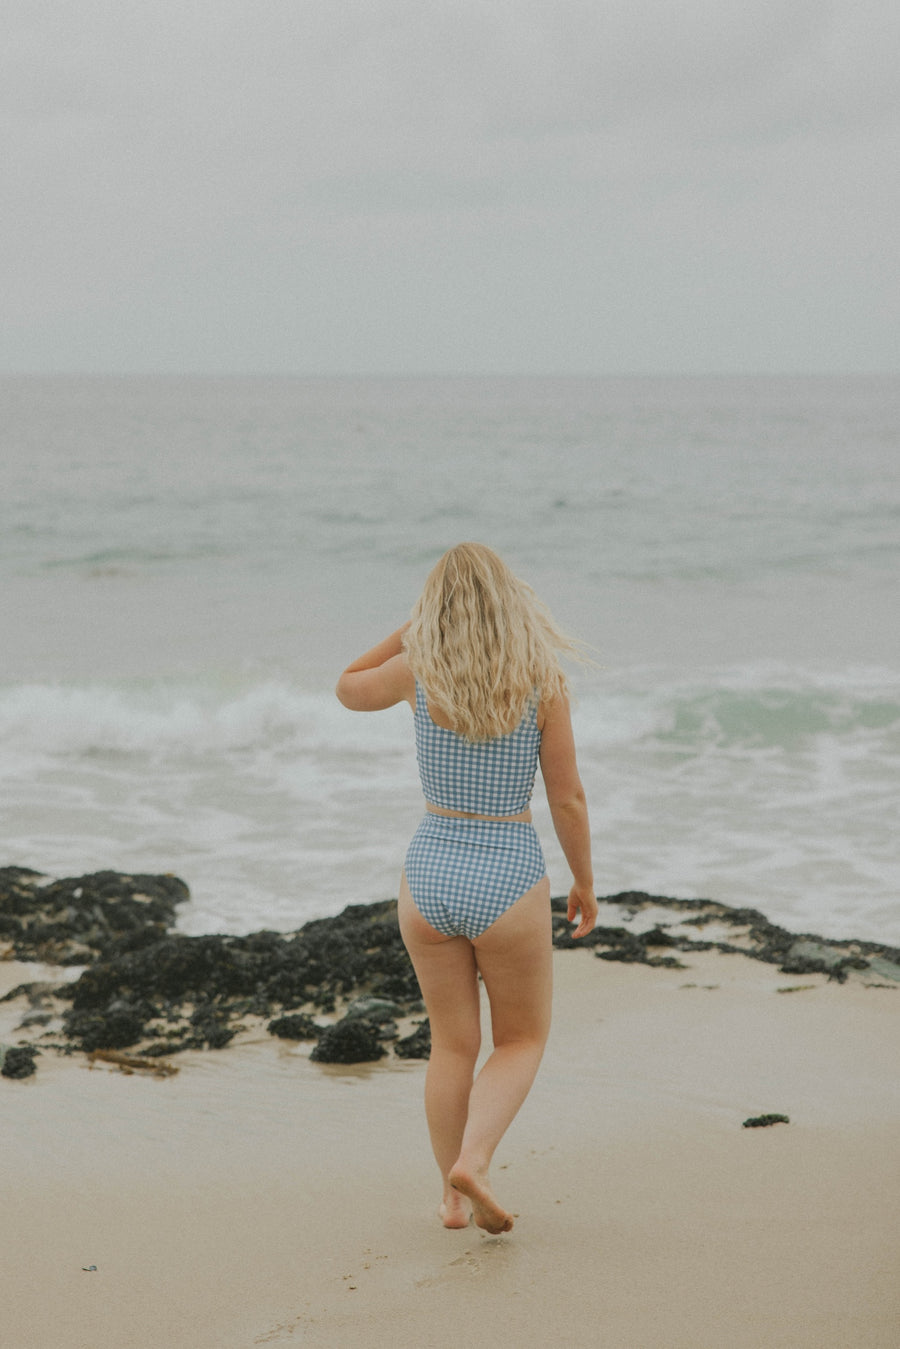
(515, 959)
(448, 977)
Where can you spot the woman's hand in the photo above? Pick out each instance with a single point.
(582, 900)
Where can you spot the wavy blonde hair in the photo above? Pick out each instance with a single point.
(482, 643)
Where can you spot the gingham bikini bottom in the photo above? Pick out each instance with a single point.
(464, 874)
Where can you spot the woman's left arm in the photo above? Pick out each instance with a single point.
(379, 678)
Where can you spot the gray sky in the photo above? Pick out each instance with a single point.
(403, 186)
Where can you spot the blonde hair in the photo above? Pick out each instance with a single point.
(482, 643)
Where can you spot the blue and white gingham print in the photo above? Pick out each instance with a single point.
(464, 874)
(491, 777)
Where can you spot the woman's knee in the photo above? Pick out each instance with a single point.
(528, 1039)
(463, 1043)
(455, 1028)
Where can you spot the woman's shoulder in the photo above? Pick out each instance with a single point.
(553, 711)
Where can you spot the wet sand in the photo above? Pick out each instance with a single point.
(256, 1198)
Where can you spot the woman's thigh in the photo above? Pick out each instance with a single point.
(448, 976)
(515, 959)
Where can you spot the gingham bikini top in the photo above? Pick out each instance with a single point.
(491, 777)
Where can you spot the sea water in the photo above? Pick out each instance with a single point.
(186, 564)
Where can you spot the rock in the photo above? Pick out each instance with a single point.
(763, 1121)
(811, 956)
(17, 1061)
(378, 1010)
(417, 1045)
(352, 1041)
(294, 1026)
(754, 936)
(621, 944)
(211, 1027)
(222, 978)
(880, 967)
(72, 921)
(119, 1025)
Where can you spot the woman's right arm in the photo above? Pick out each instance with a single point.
(568, 809)
(379, 678)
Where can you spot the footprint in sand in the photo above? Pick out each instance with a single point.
(463, 1264)
(466, 1261)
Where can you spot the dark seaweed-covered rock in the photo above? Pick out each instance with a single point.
(763, 1121)
(38, 993)
(172, 968)
(352, 1041)
(294, 1026)
(635, 947)
(360, 948)
(754, 936)
(211, 1028)
(618, 943)
(118, 1025)
(184, 992)
(811, 956)
(18, 1061)
(417, 1045)
(72, 921)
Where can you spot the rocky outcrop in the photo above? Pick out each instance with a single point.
(343, 983)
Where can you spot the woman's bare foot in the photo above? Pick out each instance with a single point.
(456, 1210)
(488, 1213)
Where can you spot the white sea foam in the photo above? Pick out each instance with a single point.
(163, 720)
(277, 804)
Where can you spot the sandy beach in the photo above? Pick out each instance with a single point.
(257, 1198)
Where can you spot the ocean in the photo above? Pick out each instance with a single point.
(187, 563)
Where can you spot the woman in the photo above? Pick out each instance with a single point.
(478, 663)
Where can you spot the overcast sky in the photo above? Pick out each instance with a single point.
(403, 186)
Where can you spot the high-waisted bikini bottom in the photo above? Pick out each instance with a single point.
(464, 874)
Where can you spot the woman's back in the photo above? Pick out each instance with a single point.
(485, 777)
